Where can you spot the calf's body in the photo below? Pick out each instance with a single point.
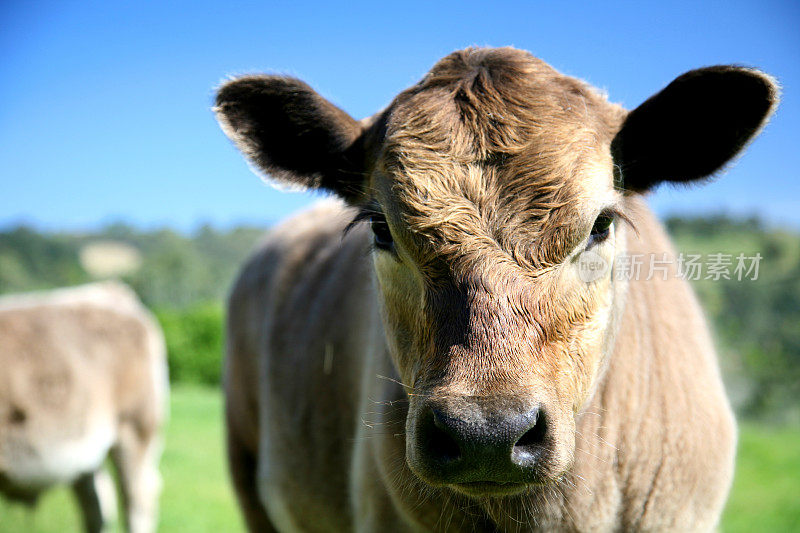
(476, 361)
(83, 377)
(316, 419)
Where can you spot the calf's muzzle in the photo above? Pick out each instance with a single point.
(479, 446)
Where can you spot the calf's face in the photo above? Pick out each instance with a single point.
(494, 190)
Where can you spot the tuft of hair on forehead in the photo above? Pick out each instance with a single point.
(500, 99)
(494, 139)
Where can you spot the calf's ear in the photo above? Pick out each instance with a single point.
(689, 130)
(293, 134)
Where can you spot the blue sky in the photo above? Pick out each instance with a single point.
(105, 106)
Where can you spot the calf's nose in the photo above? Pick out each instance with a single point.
(494, 447)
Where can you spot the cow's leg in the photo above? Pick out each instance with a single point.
(243, 466)
(95, 494)
(136, 456)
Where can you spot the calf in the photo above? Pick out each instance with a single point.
(82, 374)
(452, 363)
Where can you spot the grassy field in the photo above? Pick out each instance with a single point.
(197, 495)
(766, 490)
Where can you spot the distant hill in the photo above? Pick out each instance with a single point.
(166, 268)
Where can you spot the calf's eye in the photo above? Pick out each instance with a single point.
(601, 228)
(380, 231)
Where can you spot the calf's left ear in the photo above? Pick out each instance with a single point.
(293, 134)
(690, 129)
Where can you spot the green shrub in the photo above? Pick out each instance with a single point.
(194, 342)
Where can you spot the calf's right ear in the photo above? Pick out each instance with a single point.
(293, 134)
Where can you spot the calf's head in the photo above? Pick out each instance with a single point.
(486, 186)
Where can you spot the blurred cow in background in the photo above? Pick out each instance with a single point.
(83, 376)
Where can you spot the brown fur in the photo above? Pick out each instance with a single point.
(490, 174)
(84, 377)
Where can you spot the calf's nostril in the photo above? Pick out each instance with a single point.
(440, 444)
(535, 434)
(443, 446)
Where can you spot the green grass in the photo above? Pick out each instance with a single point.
(197, 496)
(197, 493)
(766, 489)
